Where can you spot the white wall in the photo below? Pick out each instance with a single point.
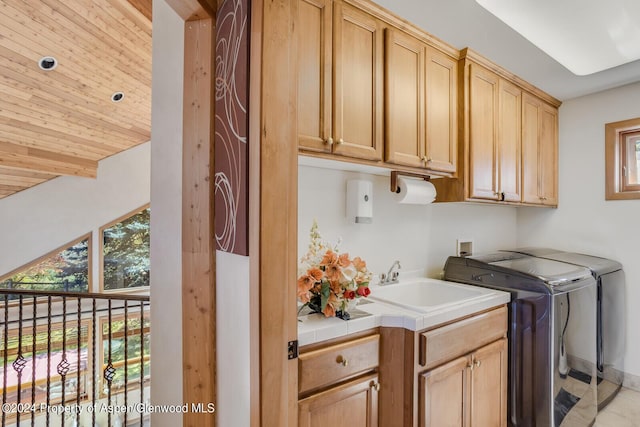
(42, 218)
(421, 237)
(584, 221)
(166, 204)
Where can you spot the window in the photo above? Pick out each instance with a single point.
(622, 159)
(64, 269)
(125, 252)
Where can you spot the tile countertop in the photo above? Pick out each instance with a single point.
(313, 328)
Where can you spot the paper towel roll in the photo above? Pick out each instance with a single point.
(415, 192)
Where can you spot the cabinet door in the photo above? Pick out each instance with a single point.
(539, 152)
(404, 99)
(358, 78)
(549, 155)
(489, 386)
(314, 75)
(444, 395)
(509, 142)
(483, 119)
(354, 404)
(531, 107)
(442, 111)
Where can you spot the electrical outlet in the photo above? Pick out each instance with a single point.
(464, 247)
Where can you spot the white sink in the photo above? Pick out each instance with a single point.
(426, 295)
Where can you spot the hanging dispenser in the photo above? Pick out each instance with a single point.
(360, 201)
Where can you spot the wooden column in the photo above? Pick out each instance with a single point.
(278, 214)
(198, 250)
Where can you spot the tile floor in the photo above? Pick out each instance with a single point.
(623, 411)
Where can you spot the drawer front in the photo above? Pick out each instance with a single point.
(331, 364)
(448, 342)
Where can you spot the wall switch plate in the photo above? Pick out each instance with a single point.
(464, 247)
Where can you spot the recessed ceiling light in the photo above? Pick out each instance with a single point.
(48, 63)
(117, 96)
(584, 36)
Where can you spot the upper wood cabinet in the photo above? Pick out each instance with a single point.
(508, 144)
(539, 152)
(420, 104)
(494, 136)
(340, 80)
(315, 74)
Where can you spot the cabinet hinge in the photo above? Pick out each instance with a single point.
(292, 349)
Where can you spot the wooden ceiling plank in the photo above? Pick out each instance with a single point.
(39, 129)
(62, 119)
(143, 7)
(110, 112)
(124, 11)
(29, 163)
(60, 29)
(92, 22)
(34, 139)
(26, 175)
(23, 116)
(91, 80)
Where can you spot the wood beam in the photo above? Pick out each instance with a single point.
(278, 214)
(143, 6)
(193, 10)
(34, 159)
(198, 248)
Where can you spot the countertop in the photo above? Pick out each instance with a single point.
(313, 328)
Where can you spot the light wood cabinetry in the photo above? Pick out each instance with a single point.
(494, 136)
(508, 138)
(421, 104)
(467, 391)
(338, 384)
(452, 375)
(539, 152)
(340, 76)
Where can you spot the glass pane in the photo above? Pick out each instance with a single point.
(66, 270)
(126, 252)
(632, 165)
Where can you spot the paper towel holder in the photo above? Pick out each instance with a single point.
(394, 179)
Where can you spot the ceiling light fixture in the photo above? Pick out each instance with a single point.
(117, 96)
(48, 63)
(584, 36)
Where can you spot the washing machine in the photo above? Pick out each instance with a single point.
(552, 335)
(611, 315)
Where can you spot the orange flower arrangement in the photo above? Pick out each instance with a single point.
(329, 281)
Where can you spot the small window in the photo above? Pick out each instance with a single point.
(125, 252)
(64, 269)
(622, 159)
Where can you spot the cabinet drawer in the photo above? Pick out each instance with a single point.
(328, 365)
(442, 344)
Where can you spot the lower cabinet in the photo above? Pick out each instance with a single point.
(354, 404)
(469, 391)
(338, 383)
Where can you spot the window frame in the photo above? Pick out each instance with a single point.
(616, 133)
(101, 230)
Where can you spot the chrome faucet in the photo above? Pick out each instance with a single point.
(392, 275)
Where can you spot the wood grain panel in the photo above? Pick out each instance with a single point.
(483, 122)
(328, 365)
(198, 250)
(60, 119)
(443, 395)
(445, 343)
(278, 214)
(509, 141)
(314, 74)
(404, 99)
(488, 404)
